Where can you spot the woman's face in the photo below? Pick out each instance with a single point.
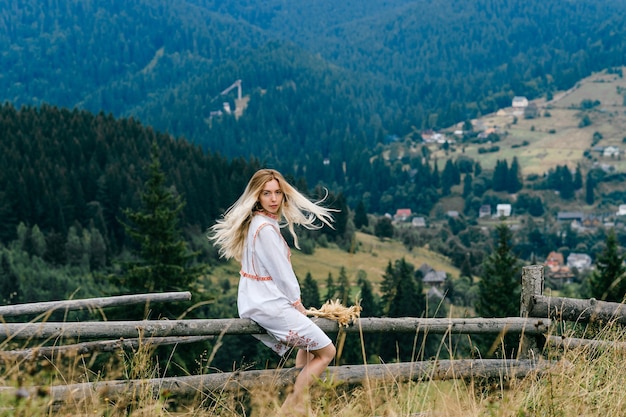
(271, 197)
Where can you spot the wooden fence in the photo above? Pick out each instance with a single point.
(535, 325)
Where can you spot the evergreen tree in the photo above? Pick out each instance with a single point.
(567, 188)
(343, 287)
(467, 185)
(589, 189)
(499, 287)
(500, 175)
(9, 281)
(449, 177)
(310, 292)
(388, 288)
(360, 216)
(514, 177)
(608, 281)
(578, 178)
(331, 290)
(163, 261)
(367, 299)
(383, 228)
(402, 297)
(499, 291)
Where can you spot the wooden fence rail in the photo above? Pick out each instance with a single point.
(51, 352)
(203, 327)
(92, 303)
(504, 370)
(537, 313)
(534, 304)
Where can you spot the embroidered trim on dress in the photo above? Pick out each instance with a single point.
(255, 277)
(294, 339)
(267, 214)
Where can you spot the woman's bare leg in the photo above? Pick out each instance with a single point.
(313, 364)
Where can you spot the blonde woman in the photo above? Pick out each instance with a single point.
(268, 291)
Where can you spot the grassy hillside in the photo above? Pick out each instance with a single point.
(557, 139)
(372, 256)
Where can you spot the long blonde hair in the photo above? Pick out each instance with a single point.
(229, 232)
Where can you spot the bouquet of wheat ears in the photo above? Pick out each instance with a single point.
(334, 310)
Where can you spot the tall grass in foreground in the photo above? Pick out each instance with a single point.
(583, 382)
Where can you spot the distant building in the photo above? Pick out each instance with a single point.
(484, 211)
(402, 215)
(452, 213)
(554, 260)
(519, 102)
(568, 216)
(418, 222)
(434, 278)
(556, 267)
(580, 261)
(621, 211)
(503, 210)
(610, 151)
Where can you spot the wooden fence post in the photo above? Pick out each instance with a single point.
(532, 285)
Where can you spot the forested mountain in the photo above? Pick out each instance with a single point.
(327, 81)
(63, 168)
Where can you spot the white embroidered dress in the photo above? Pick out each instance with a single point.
(269, 291)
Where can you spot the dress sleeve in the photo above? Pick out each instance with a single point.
(272, 252)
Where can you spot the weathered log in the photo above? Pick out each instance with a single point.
(573, 343)
(92, 303)
(571, 309)
(532, 285)
(249, 380)
(201, 327)
(97, 346)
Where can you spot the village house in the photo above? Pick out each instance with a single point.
(580, 261)
(569, 216)
(554, 261)
(484, 211)
(402, 215)
(610, 152)
(431, 277)
(503, 210)
(556, 267)
(418, 222)
(519, 102)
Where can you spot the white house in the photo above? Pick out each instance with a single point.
(580, 261)
(621, 211)
(610, 151)
(418, 222)
(519, 102)
(503, 210)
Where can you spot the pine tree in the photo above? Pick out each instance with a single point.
(360, 216)
(402, 297)
(514, 180)
(367, 300)
(163, 260)
(499, 287)
(310, 292)
(467, 185)
(330, 288)
(589, 189)
(500, 175)
(499, 291)
(343, 287)
(608, 282)
(9, 281)
(383, 228)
